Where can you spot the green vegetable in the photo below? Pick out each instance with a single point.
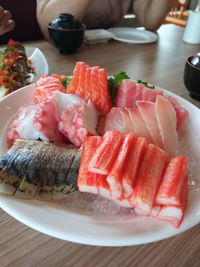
(66, 81)
(150, 86)
(114, 81)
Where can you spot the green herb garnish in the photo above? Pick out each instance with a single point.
(150, 86)
(66, 81)
(114, 81)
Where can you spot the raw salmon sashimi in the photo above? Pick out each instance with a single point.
(45, 86)
(91, 83)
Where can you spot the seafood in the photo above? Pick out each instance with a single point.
(32, 168)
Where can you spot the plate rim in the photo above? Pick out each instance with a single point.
(154, 35)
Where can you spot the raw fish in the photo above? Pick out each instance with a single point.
(167, 121)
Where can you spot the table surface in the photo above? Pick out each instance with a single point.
(160, 63)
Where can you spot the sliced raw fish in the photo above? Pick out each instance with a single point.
(91, 84)
(138, 124)
(147, 111)
(46, 86)
(182, 114)
(118, 119)
(126, 94)
(167, 121)
(151, 94)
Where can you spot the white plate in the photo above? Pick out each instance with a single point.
(97, 36)
(94, 226)
(133, 35)
(39, 62)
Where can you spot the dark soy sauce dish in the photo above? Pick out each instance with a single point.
(66, 33)
(192, 76)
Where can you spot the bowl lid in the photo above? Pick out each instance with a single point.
(66, 21)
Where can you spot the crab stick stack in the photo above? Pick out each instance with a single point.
(135, 174)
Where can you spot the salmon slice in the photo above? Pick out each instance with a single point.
(175, 214)
(91, 83)
(150, 174)
(139, 145)
(166, 118)
(87, 180)
(115, 175)
(170, 189)
(147, 111)
(45, 87)
(106, 153)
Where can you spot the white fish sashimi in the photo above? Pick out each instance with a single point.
(138, 124)
(118, 120)
(147, 111)
(167, 121)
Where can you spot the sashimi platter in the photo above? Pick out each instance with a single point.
(100, 160)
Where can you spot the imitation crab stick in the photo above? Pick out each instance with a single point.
(170, 189)
(175, 214)
(132, 165)
(106, 153)
(115, 175)
(150, 174)
(86, 180)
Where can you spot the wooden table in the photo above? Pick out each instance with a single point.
(160, 63)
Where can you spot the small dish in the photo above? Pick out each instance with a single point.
(66, 33)
(97, 36)
(192, 77)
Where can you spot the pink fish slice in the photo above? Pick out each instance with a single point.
(147, 111)
(166, 119)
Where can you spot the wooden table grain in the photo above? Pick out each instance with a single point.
(160, 63)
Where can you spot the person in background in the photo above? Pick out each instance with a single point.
(32, 16)
(104, 13)
(6, 23)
